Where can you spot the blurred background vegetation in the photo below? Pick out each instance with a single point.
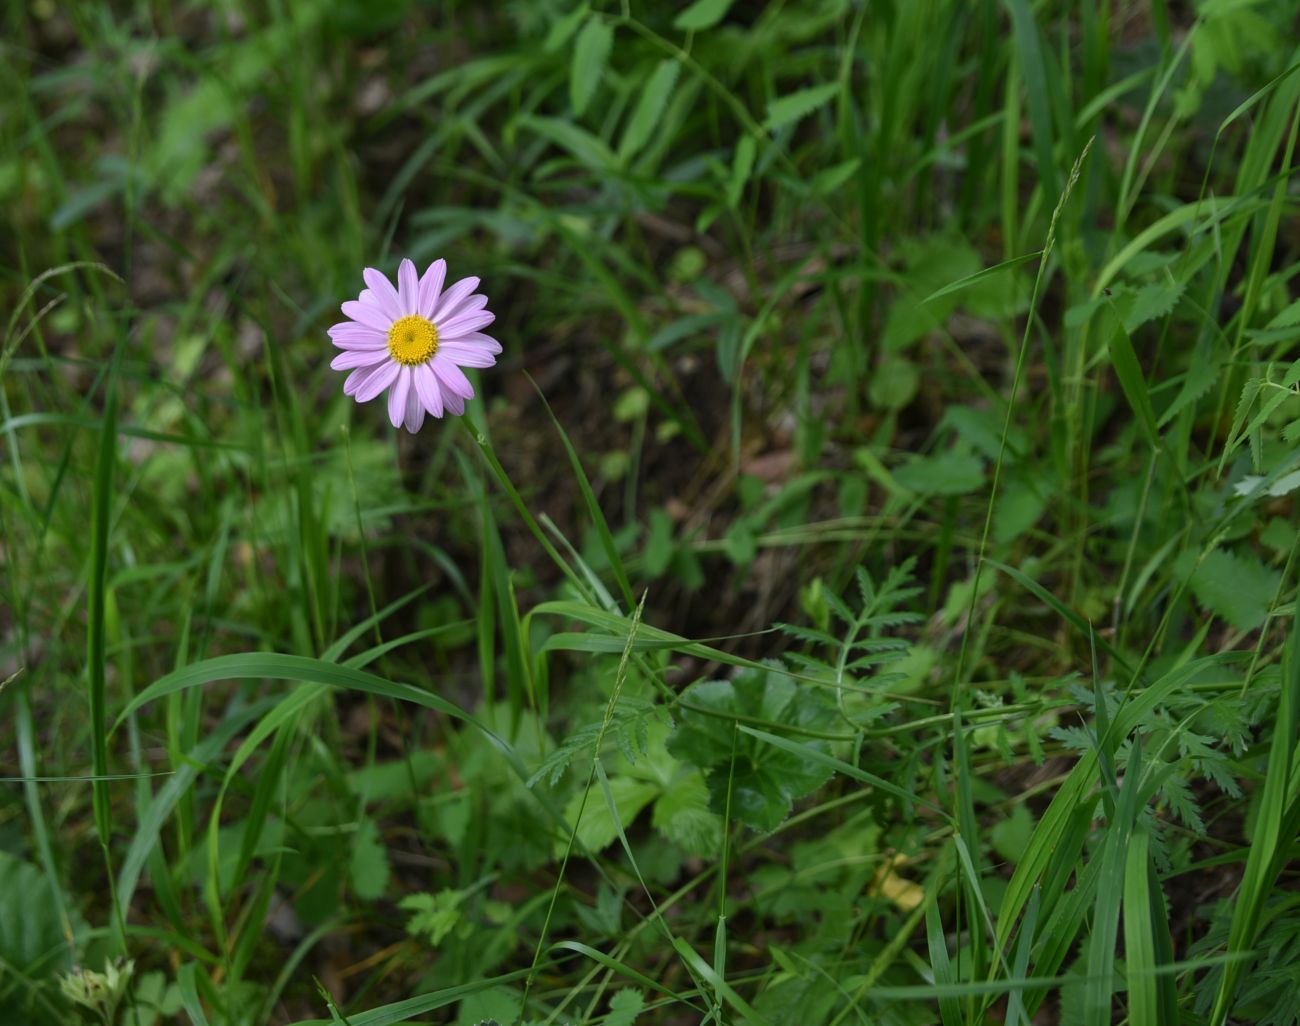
(982, 579)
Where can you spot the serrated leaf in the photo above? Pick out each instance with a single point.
(649, 108)
(1249, 392)
(798, 105)
(1175, 791)
(369, 862)
(1200, 377)
(702, 14)
(1152, 302)
(624, 1007)
(589, 56)
(1238, 588)
(808, 634)
(433, 916)
(1284, 485)
(682, 815)
(764, 779)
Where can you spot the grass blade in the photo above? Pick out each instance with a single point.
(96, 658)
(1269, 843)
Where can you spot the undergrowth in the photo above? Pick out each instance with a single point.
(861, 593)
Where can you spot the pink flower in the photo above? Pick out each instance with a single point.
(413, 341)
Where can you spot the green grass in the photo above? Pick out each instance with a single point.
(864, 590)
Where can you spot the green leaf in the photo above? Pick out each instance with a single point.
(597, 829)
(741, 166)
(1131, 380)
(936, 268)
(702, 14)
(764, 779)
(433, 916)
(1198, 380)
(829, 179)
(682, 815)
(740, 542)
(1238, 588)
(658, 550)
(624, 1007)
(498, 1005)
(1152, 302)
(1288, 316)
(1022, 502)
(798, 105)
(1010, 836)
(588, 149)
(369, 862)
(977, 277)
(948, 473)
(895, 383)
(649, 108)
(1034, 71)
(563, 28)
(589, 56)
(31, 936)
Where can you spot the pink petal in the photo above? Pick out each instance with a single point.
(359, 377)
(358, 358)
(351, 335)
(451, 376)
(478, 339)
(431, 287)
(467, 355)
(428, 390)
(384, 294)
(414, 412)
(475, 302)
(397, 397)
(451, 402)
(345, 328)
(451, 299)
(464, 323)
(360, 344)
(408, 289)
(378, 381)
(370, 316)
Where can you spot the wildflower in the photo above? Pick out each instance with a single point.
(413, 341)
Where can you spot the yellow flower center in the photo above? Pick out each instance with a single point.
(412, 340)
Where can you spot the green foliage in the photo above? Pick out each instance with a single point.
(747, 780)
(303, 713)
(31, 935)
(432, 916)
(1238, 588)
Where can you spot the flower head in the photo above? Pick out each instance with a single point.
(412, 341)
